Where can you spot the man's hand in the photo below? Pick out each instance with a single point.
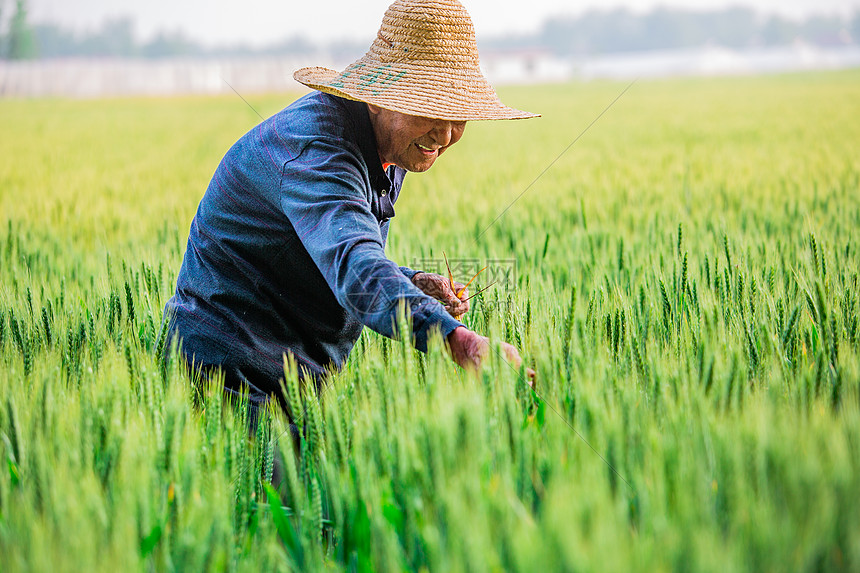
(439, 288)
(469, 349)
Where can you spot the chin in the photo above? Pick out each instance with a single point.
(418, 168)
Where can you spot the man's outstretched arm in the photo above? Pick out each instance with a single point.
(469, 349)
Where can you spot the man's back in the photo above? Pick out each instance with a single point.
(249, 289)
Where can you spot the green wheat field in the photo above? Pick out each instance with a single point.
(685, 285)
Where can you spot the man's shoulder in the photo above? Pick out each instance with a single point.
(284, 136)
(320, 115)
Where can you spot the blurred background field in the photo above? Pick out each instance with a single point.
(121, 48)
(686, 284)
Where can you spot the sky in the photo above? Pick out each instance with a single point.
(260, 22)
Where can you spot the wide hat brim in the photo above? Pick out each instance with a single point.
(424, 61)
(412, 91)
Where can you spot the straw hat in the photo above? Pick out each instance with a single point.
(424, 61)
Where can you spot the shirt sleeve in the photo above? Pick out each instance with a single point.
(323, 195)
(409, 273)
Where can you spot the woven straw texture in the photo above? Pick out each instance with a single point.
(424, 61)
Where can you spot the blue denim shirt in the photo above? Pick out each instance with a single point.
(286, 253)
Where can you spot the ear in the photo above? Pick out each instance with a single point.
(374, 109)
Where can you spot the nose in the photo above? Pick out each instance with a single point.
(442, 133)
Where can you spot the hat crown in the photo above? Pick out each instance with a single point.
(423, 62)
(440, 31)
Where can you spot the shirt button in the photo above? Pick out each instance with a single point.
(383, 192)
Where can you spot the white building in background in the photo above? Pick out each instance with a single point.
(524, 66)
(718, 61)
(113, 77)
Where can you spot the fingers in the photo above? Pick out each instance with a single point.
(454, 301)
(460, 304)
(457, 309)
(460, 291)
(514, 359)
(439, 288)
(511, 354)
(531, 378)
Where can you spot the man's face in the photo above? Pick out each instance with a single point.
(410, 141)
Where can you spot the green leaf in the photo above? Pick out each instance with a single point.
(148, 543)
(541, 413)
(285, 528)
(14, 474)
(392, 513)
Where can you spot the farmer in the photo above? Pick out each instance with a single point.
(286, 254)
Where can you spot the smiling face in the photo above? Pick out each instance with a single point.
(410, 141)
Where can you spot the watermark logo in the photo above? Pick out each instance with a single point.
(501, 273)
(376, 292)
